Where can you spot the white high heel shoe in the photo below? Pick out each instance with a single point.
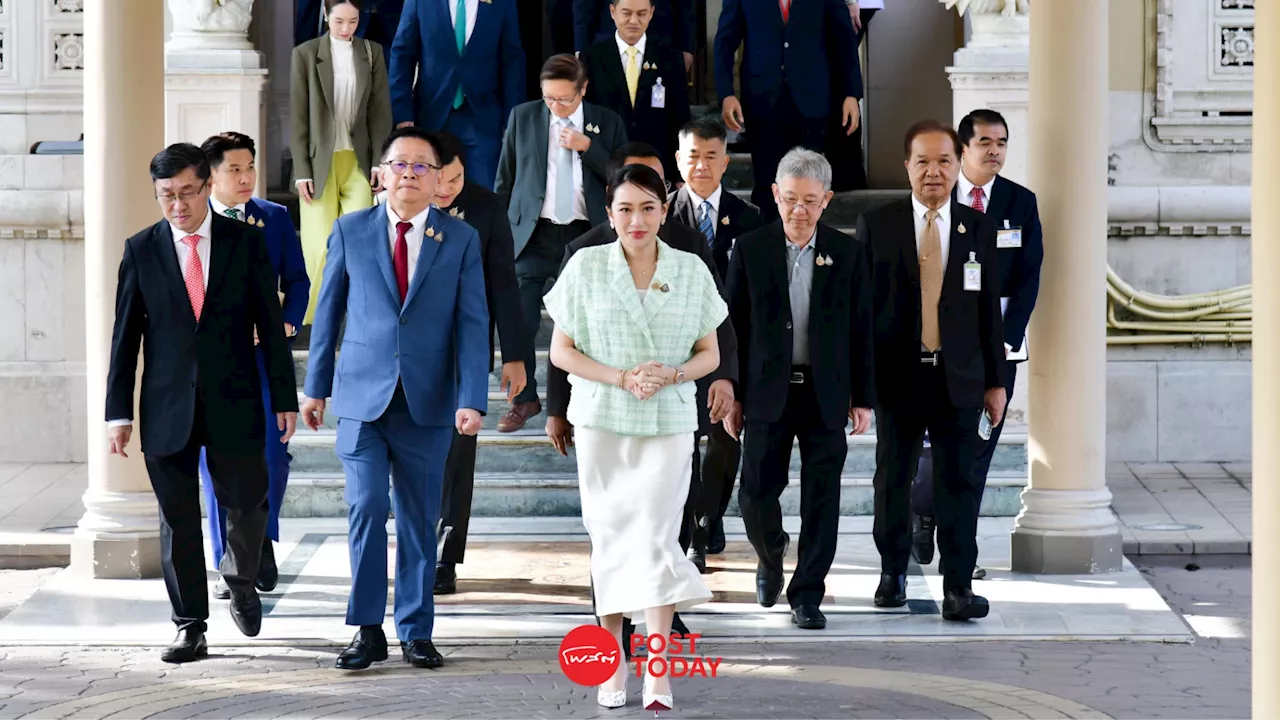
(612, 698)
(656, 703)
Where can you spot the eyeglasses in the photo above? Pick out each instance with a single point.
(419, 169)
(188, 196)
(562, 101)
(812, 207)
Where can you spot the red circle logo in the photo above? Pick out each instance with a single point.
(589, 655)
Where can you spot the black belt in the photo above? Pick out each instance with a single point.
(799, 373)
(931, 358)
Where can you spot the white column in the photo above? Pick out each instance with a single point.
(1266, 358)
(118, 537)
(1066, 524)
(214, 78)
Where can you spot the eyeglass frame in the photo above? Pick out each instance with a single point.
(564, 103)
(168, 199)
(808, 207)
(407, 165)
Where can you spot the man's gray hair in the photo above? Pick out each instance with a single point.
(801, 163)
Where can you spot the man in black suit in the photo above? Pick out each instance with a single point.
(800, 300)
(482, 210)
(720, 217)
(552, 177)
(194, 289)
(672, 20)
(939, 363)
(640, 76)
(714, 393)
(1020, 248)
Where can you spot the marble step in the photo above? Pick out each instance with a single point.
(320, 495)
(300, 358)
(528, 451)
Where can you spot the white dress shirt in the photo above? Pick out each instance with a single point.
(344, 92)
(697, 205)
(221, 209)
(473, 7)
(413, 238)
(622, 50)
(964, 187)
(205, 231)
(577, 121)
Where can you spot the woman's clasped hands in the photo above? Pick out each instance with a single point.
(646, 379)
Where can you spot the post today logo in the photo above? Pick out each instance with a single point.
(589, 655)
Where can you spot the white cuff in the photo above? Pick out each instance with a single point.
(122, 422)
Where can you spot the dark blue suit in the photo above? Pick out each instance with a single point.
(406, 369)
(672, 19)
(787, 76)
(378, 21)
(490, 70)
(285, 251)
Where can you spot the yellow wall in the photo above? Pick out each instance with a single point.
(1128, 48)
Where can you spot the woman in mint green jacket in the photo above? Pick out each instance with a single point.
(635, 327)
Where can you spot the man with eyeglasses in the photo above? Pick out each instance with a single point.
(552, 175)
(805, 371)
(194, 289)
(409, 281)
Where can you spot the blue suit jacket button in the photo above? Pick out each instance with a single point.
(397, 355)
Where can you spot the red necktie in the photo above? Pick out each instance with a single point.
(401, 258)
(785, 6)
(976, 195)
(194, 275)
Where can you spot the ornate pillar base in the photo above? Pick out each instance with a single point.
(117, 537)
(1066, 532)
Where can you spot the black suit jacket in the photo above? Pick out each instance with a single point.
(522, 167)
(734, 218)
(679, 238)
(972, 342)
(840, 354)
(672, 20)
(644, 123)
(216, 354)
(482, 210)
(1019, 267)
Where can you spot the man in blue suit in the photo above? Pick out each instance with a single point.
(378, 21)
(409, 281)
(232, 159)
(791, 53)
(469, 71)
(672, 20)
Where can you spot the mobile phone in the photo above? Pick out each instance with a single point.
(985, 425)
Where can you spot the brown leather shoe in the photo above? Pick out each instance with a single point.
(518, 415)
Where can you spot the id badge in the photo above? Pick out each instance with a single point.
(1009, 238)
(973, 274)
(658, 98)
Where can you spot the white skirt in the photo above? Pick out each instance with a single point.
(633, 493)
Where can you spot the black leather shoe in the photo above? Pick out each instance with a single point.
(715, 538)
(892, 591)
(446, 580)
(808, 617)
(367, 647)
(963, 605)
(220, 590)
(421, 654)
(268, 571)
(698, 556)
(188, 646)
(769, 576)
(677, 625)
(246, 611)
(922, 528)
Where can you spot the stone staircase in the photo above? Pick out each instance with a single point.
(520, 474)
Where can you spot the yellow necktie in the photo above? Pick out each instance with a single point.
(930, 282)
(633, 74)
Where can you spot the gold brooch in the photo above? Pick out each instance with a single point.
(261, 223)
(960, 228)
(431, 232)
(453, 212)
(830, 262)
(660, 287)
(820, 261)
(440, 237)
(251, 221)
(724, 220)
(593, 128)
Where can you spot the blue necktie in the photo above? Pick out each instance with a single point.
(564, 181)
(460, 36)
(719, 253)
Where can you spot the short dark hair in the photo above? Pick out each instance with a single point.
(329, 5)
(929, 126)
(707, 127)
(450, 148)
(217, 147)
(415, 133)
(979, 117)
(172, 160)
(642, 176)
(563, 67)
(633, 149)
